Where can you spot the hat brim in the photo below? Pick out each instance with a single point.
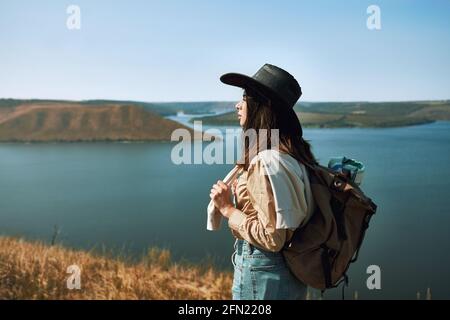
(245, 82)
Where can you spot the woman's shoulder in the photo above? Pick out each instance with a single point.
(266, 156)
(276, 162)
(273, 156)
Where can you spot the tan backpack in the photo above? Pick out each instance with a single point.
(320, 252)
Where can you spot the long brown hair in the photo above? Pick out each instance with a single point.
(264, 113)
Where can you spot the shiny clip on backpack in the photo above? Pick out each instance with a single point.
(320, 252)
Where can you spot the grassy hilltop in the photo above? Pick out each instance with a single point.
(41, 121)
(32, 270)
(161, 108)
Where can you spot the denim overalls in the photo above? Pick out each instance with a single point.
(260, 274)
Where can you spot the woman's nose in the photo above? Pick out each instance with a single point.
(238, 105)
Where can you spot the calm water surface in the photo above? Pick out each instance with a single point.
(131, 196)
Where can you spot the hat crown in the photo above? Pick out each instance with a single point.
(269, 81)
(280, 82)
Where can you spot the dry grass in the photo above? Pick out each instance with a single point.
(31, 270)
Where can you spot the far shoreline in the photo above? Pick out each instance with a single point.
(129, 122)
(132, 142)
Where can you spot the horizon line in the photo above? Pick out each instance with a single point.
(223, 101)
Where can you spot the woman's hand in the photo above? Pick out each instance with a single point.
(221, 196)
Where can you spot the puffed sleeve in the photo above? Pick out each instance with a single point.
(258, 228)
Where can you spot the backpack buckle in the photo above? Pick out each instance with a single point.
(338, 184)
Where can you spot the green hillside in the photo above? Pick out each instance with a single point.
(162, 108)
(356, 114)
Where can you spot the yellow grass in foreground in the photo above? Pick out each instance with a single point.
(32, 270)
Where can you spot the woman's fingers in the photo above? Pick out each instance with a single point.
(222, 184)
(233, 186)
(218, 189)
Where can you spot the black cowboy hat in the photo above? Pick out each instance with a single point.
(273, 83)
(269, 81)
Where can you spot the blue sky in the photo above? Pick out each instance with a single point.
(175, 50)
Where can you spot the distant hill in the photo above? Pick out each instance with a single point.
(108, 120)
(72, 121)
(161, 108)
(356, 114)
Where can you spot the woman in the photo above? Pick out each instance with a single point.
(268, 205)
